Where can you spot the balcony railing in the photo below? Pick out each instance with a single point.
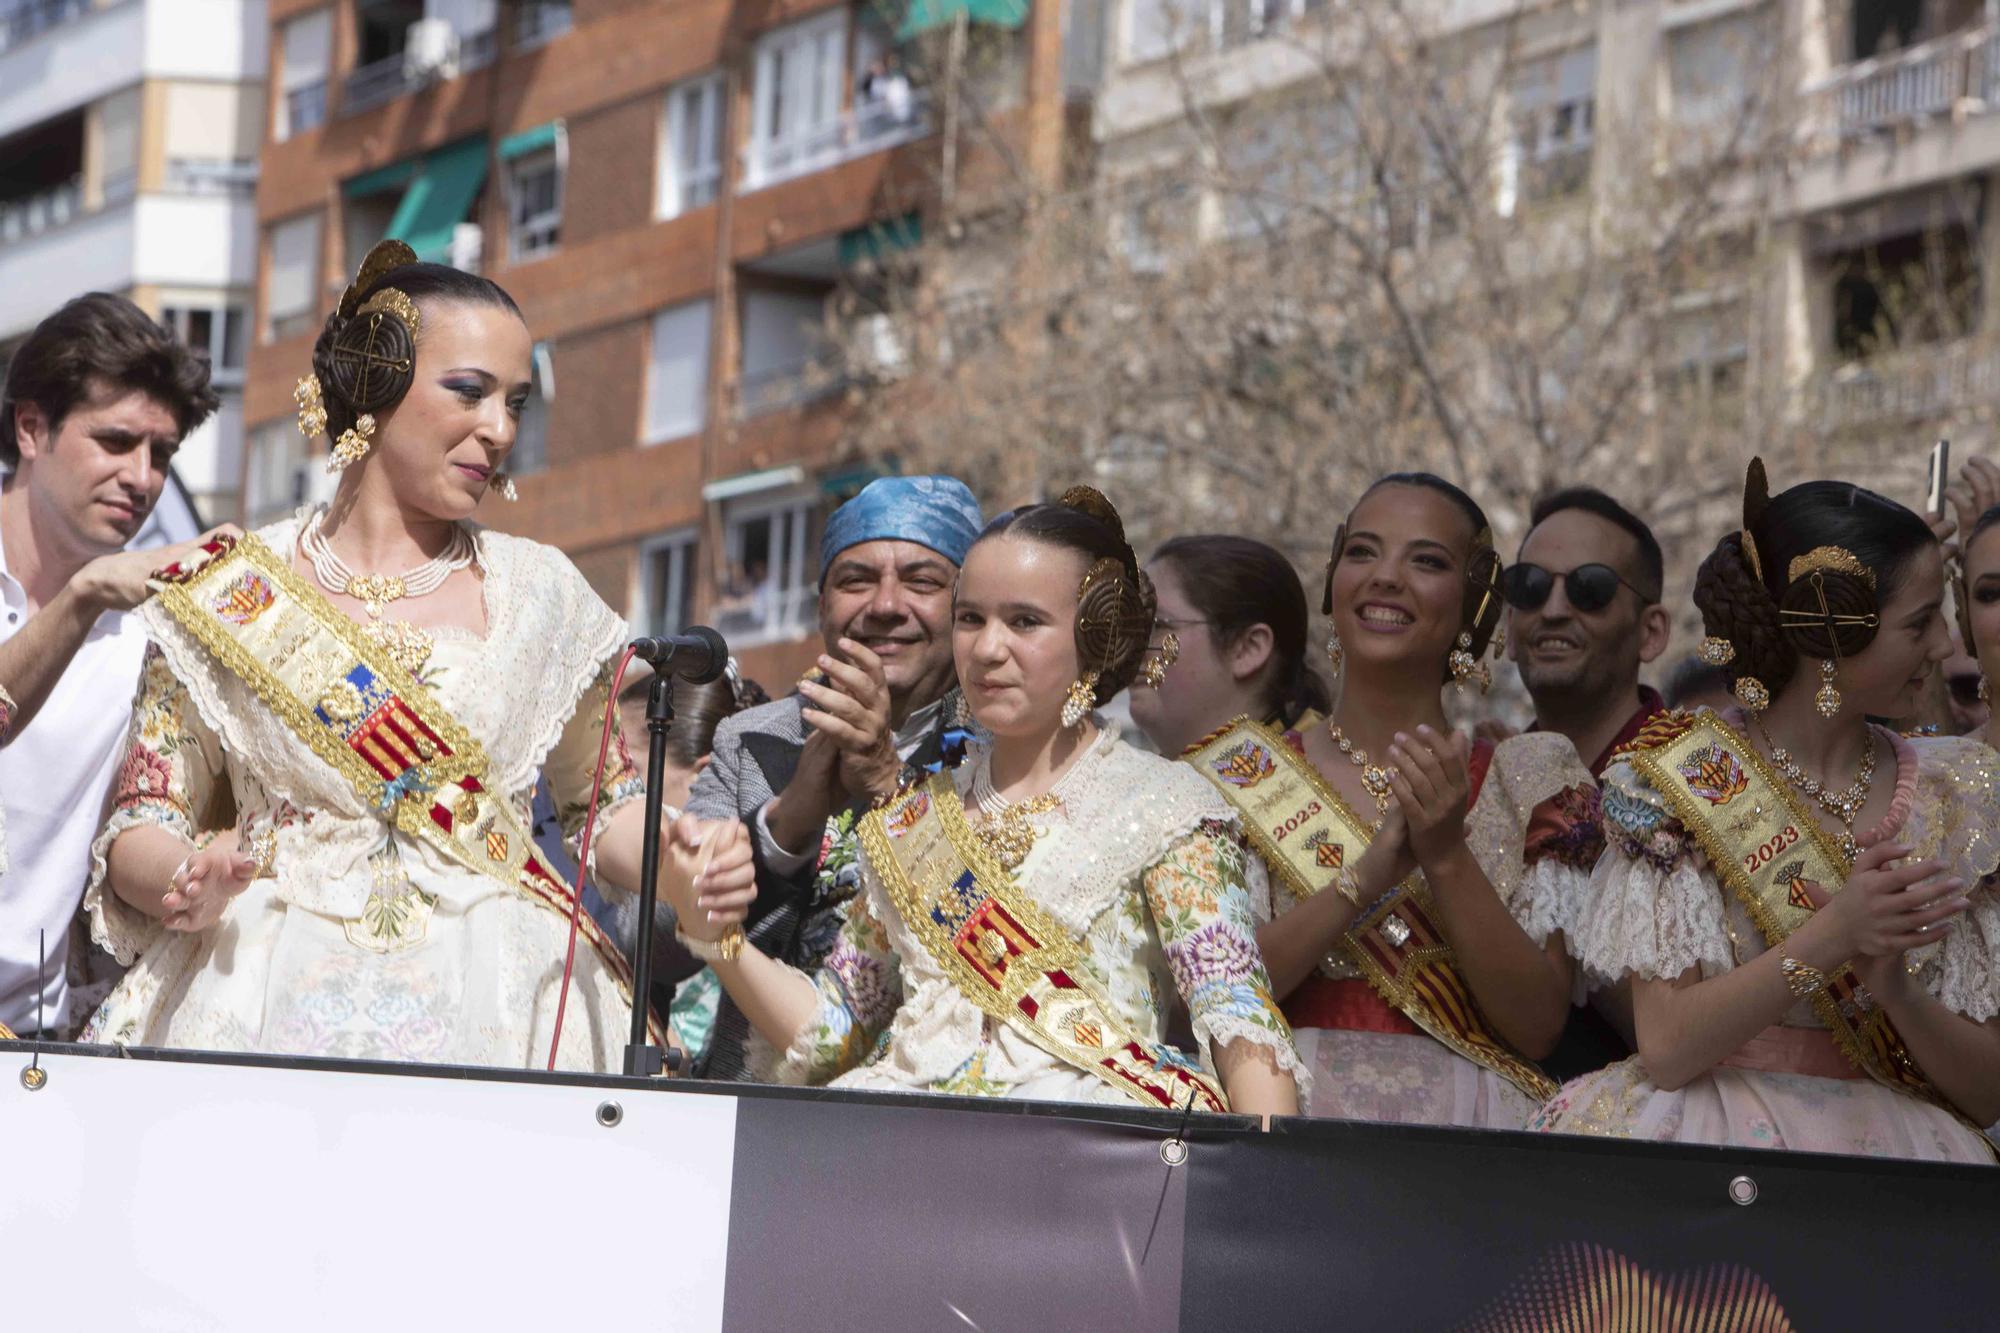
(768, 615)
(37, 213)
(25, 20)
(1910, 384)
(1908, 87)
(384, 81)
(787, 386)
(867, 127)
(305, 107)
(211, 175)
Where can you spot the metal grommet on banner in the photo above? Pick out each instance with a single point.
(1174, 1151)
(34, 1078)
(610, 1114)
(1743, 1191)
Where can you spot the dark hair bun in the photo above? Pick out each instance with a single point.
(1840, 626)
(1736, 606)
(372, 360)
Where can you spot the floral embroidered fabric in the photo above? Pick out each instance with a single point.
(1145, 864)
(281, 971)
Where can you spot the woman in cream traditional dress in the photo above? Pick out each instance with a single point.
(1800, 896)
(1060, 836)
(1446, 846)
(264, 898)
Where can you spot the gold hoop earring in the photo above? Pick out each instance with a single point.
(353, 444)
(1082, 698)
(1335, 652)
(1154, 673)
(1827, 699)
(312, 407)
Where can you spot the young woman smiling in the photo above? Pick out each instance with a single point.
(1799, 895)
(1420, 882)
(1024, 919)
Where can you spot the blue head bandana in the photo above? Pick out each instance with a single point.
(938, 512)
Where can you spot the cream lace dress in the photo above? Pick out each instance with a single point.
(1656, 910)
(1144, 863)
(282, 970)
(1532, 828)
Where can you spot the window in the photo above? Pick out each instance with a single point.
(534, 203)
(291, 305)
(541, 21)
(217, 331)
(1152, 29)
(768, 589)
(785, 350)
(666, 583)
(307, 56)
(1555, 121)
(1705, 357)
(691, 146)
(795, 106)
(282, 475)
(531, 437)
(677, 373)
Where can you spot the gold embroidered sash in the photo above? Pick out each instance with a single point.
(404, 755)
(1006, 955)
(1766, 848)
(1306, 833)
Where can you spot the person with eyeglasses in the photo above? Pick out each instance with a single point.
(1583, 600)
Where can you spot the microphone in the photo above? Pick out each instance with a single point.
(697, 656)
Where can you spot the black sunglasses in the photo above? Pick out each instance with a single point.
(1588, 587)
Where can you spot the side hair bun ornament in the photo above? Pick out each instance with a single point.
(1114, 613)
(1756, 498)
(373, 359)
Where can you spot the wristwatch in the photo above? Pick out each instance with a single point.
(724, 950)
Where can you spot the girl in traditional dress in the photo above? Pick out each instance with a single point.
(1798, 894)
(1419, 901)
(1024, 919)
(1229, 641)
(319, 839)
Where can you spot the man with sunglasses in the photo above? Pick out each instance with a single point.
(1584, 612)
(1584, 616)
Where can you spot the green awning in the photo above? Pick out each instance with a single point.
(529, 141)
(878, 239)
(927, 15)
(440, 197)
(383, 179)
(847, 482)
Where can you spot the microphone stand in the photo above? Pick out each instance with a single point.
(642, 1058)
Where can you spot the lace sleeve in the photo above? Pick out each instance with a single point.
(1652, 907)
(572, 766)
(860, 987)
(1200, 894)
(173, 778)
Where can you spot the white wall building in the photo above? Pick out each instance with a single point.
(129, 132)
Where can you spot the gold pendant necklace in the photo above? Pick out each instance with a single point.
(1374, 777)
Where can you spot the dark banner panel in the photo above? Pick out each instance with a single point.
(1358, 1227)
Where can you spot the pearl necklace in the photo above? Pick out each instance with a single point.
(375, 591)
(408, 644)
(1844, 804)
(1374, 777)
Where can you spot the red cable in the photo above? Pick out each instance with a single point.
(583, 853)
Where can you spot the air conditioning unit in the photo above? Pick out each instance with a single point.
(466, 248)
(430, 50)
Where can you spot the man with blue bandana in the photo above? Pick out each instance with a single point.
(879, 702)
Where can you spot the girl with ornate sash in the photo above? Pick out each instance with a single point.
(1232, 627)
(1024, 920)
(319, 840)
(1419, 902)
(1800, 895)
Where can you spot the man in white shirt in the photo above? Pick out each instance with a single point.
(97, 400)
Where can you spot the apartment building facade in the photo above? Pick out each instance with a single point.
(682, 197)
(1864, 319)
(128, 144)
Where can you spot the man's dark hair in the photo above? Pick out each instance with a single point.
(1652, 565)
(100, 340)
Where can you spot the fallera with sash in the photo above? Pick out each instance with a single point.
(1388, 1020)
(1709, 858)
(408, 914)
(954, 974)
